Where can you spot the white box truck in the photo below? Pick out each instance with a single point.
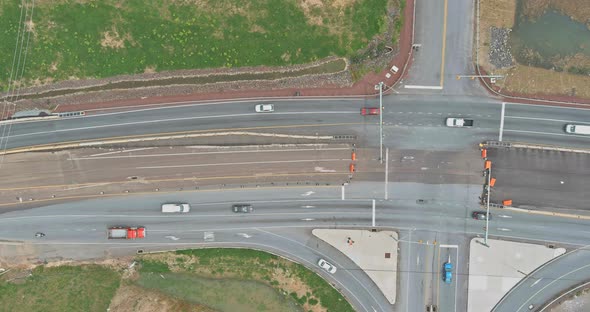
(176, 208)
(577, 129)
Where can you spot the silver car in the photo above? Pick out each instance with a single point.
(264, 108)
(330, 268)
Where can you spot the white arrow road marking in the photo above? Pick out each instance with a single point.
(307, 207)
(504, 229)
(174, 238)
(308, 193)
(307, 219)
(505, 216)
(245, 235)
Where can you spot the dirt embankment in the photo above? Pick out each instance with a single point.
(561, 81)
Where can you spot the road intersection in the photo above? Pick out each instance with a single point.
(434, 180)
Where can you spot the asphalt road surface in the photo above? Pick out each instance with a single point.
(539, 179)
(410, 122)
(442, 217)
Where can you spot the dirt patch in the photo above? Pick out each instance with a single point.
(112, 39)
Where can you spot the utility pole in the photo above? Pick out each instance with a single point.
(380, 86)
(485, 240)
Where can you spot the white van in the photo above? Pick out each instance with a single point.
(176, 208)
(577, 129)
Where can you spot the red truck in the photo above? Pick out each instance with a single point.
(126, 232)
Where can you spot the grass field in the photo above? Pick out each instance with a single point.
(64, 288)
(240, 266)
(89, 38)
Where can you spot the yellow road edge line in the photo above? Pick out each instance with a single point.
(164, 192)
(444, 44)
(172, 180)
(152, 136)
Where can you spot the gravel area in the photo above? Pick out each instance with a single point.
(500, 55)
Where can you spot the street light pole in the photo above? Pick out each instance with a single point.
(381, 122)
(485, 241)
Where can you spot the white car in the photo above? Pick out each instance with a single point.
(327, 266)
(265, 108)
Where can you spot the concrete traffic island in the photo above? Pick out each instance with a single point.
(374, 252)
(494, 270)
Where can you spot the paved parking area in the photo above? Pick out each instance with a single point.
(540, 179)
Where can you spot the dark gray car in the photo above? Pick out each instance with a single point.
(243, 208)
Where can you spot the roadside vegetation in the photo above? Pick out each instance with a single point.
(76, 39)
(63, 288)
(534, 71)
(202, 280)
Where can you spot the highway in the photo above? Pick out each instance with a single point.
(411, 122)
(282, 221)
(434, 179)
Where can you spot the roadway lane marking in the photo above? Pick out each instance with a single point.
(124, 151)
(536, 282)
(157, 135)
(423, 87)
(242, 163)
(308, 193)
(502, 121)
(444, 44)
(408, 278)
(171, 119)
(92, 157)
(547, 133)
(546, 119)
(554, 281)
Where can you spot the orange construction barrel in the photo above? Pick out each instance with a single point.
(484, 153)
(488, 164)
(353, 157)
(351, 167)
(507, 202)
(492, 182)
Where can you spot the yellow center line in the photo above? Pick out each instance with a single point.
(444, 43)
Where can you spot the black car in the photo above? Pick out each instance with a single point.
(480, 215)
(243, 208)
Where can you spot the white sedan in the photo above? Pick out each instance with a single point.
(327, 266)
(265, 108)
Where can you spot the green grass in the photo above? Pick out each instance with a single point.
(253, 264)
(64, 288)
(168, 35)
(219, 294)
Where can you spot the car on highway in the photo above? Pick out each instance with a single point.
(242, 208)
(264, 108)
(480, 215)
(370, 111)
(577, 129)
(330, 268)
(448, 272)
(176, 208)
